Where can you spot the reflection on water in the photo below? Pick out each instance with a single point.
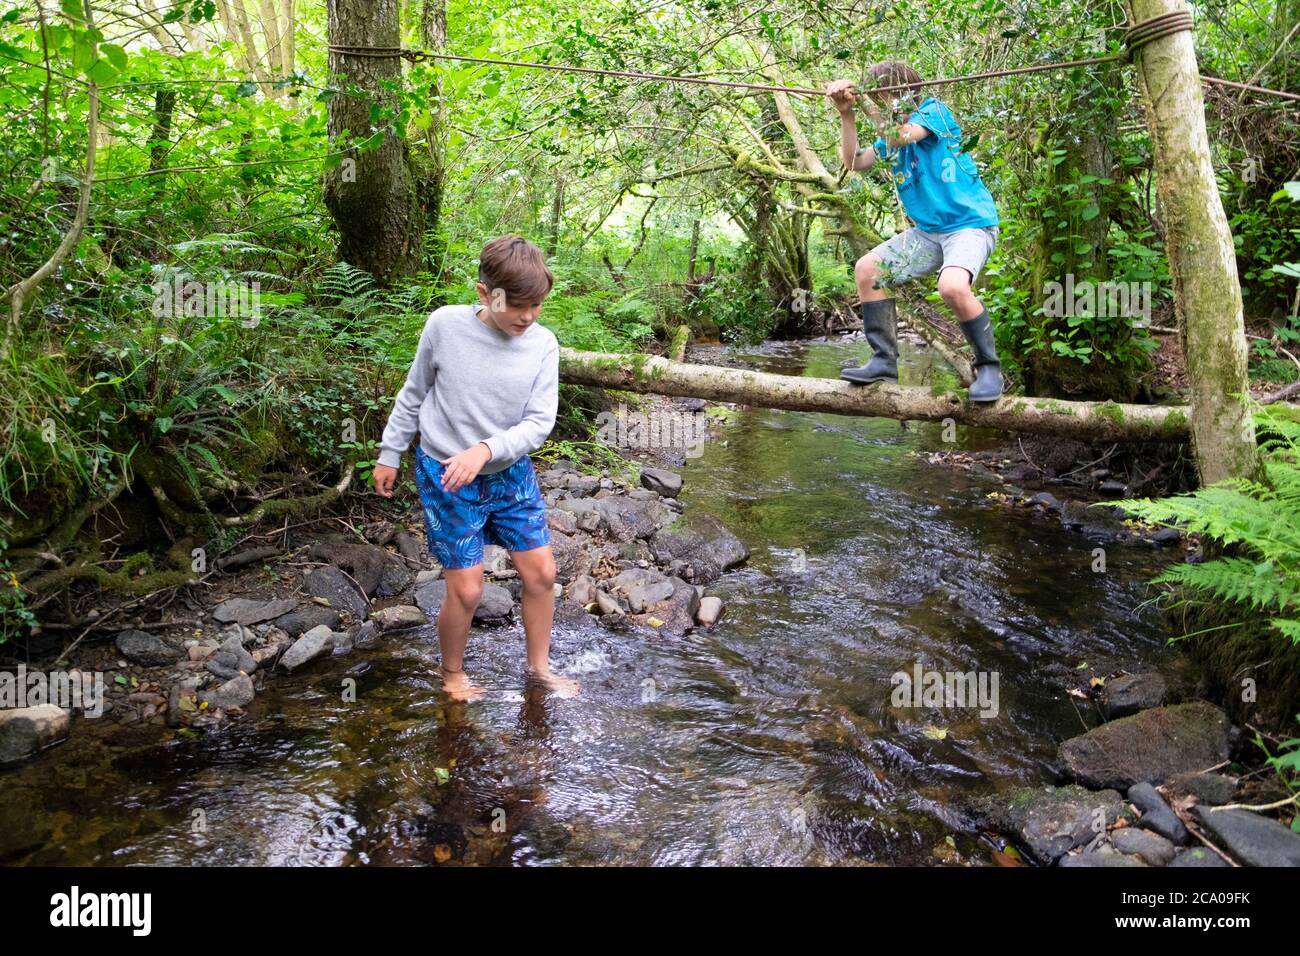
(770, 739)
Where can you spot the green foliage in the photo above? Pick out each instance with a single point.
(14, 614)
(1257, 524)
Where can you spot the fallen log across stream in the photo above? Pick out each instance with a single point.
(1086, 421)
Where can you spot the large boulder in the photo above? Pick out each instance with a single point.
(430, 595)
(630, 518)
(1253, 839)
(379, 573)
(494, 606)
(316, 643)
(245, 611)
(572, 555)
(702, 544)
(339, 590)
(662, 482)
(25, 731)
(1151, 746)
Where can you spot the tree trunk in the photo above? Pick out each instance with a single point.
(1207, 296)
(372, 195)
(160, 136)
(1087, 421)
(695, 251)
(557, 210)
(431, 164)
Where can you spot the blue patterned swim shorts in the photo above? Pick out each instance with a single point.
(505, 508)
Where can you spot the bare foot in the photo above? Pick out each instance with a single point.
(458, 687)
(561, 687)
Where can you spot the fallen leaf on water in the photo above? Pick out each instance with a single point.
(1006, 859)
(1097, 682)
(442, 853)
(654, 622)
(935, 733)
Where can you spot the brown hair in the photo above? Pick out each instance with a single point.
(897, 73)
(517, 267)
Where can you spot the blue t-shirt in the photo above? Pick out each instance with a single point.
(938, 183)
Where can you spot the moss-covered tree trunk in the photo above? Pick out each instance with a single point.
(1087, 421)
(372, 195)
(1207, 296)
(431, 166)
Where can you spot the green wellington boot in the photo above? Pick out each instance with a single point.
(987, 386)
(880, 325)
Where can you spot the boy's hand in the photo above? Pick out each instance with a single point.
(385, 477)
(459, 470)
(843, 95)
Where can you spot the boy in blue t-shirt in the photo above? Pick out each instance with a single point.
(956, 224)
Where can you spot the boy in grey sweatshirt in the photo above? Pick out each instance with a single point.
(481, 394)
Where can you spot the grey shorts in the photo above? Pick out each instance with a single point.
(915, 253)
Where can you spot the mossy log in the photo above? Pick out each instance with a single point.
(1086, 421)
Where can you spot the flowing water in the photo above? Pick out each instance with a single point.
(769, 739)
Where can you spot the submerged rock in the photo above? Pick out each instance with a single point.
(1051, 821)
(1124, 696)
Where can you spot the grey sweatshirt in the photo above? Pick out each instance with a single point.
(470, 383)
